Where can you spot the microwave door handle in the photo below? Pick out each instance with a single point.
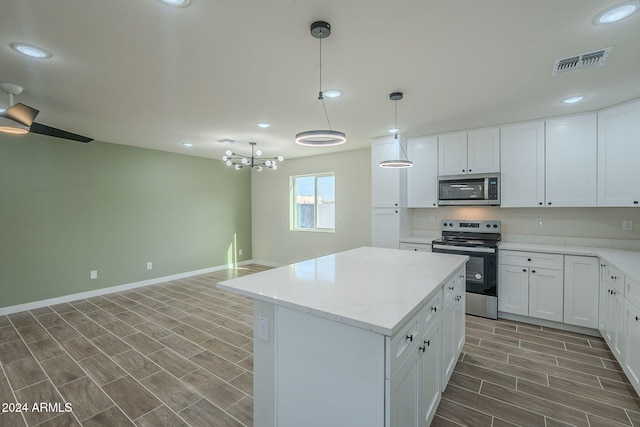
(486, 189)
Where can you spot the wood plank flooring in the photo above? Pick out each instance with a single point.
(180, 354)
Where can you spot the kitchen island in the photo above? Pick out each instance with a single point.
(365, 337)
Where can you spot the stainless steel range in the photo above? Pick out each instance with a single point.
(479, 240)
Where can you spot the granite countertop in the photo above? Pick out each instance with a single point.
(376, 289)
(625, 260)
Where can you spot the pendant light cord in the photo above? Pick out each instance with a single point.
(320, 95)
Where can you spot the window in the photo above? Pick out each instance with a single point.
(313, 202)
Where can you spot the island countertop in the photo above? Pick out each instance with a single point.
(376, 289)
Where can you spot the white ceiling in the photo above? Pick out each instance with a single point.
(140, 73)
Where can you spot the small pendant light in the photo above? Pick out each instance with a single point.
(396, 163)
(321, 138)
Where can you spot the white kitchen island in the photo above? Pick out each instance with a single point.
(366, 337)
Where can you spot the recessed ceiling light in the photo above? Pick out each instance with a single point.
(175, 3)
(573, 99)
(263, 124)
(187, 144)
(617, 13)
(332, 93)
(30, 50)
(393, 130)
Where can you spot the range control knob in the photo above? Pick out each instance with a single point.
(488, 225)
(450, 224)
(495, 225)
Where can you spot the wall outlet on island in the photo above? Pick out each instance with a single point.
(627, 224)
(93, 274)
(239, 251)
(149, 265)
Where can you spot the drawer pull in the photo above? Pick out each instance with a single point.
(410, 338)
(422, 349)
(637, 318)
(451, 288)
(529, 259)
(533, 271)
(524, 270)
(434, 308)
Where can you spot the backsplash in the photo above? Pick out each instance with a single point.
(601, 227)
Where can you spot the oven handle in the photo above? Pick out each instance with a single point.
(463, 248)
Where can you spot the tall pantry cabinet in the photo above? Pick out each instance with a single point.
(389, 219)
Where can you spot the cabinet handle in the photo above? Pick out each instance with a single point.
(463, 170)
(637, 318)
(461, 276)
(533, 271)
(635, 202)
(524, 270)
(428, 343)
(458, 298)
(434, 308)
(549, 203)
(422, 349)
(451, 288)
(529, 259)
(469, 170)
(410, 338)
(540, 203)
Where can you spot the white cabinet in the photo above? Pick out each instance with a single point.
(522, 165)
(581, 290)
(453, 322)
(388, 186)
(422, 178)
(385, 224)
(476, 151)
(632, 343)
(430, 362)
(571, 150)
(611, 310)
(619, 155)
(531, 284)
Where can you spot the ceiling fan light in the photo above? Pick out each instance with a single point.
(396, 164)
(12, 127)
(321, 138)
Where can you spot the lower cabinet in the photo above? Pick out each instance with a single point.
(581, 284)
(632, 343)
(452, 325)
(546, 294)
(612, 310)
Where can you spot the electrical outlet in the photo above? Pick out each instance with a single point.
(627, 224)
(263, 328)
(149, 265)
(538, 222)
(93, 274)
(432, 219)
(239, 251)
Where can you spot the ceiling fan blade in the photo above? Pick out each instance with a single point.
(58, 133)
(22, 113)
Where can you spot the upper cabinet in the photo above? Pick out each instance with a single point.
(619, 155)
(387, 185)
(476, 151)
(522, 159)
(422, 178)
(571, 151)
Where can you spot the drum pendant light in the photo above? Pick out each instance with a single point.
(321, 138)
(396, 163)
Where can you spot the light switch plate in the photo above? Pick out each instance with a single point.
(627, 224)
(263, 328)
(538, 222)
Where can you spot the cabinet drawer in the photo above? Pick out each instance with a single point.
(404, 341)
(532, 259)
(615, 279)
(417, 247)
(431, 312)
(632, 290)
(454, 287)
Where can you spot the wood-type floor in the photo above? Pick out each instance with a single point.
(180, 354)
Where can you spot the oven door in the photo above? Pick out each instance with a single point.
(481, 267)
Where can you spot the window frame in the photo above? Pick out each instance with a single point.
(292, 202)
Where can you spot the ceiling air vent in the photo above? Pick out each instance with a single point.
(580, 62)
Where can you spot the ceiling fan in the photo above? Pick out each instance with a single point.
(18, 118)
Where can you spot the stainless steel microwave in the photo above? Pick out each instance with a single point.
(469, 190)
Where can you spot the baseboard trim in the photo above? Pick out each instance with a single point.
(118, 288)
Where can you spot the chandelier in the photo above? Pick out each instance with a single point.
(327, 137)
(398, 162)
(255, 161)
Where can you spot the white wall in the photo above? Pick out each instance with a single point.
(273, 242)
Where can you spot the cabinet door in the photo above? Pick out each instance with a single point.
(385, 183)
(430, 374)
(581, 290)
(632, 343)
(405, 389)
(615, 313)
(422, 178)
(483, 150)
(619, 155)
(452, 153)
(603, 301)
(546, 294)
(513, 289)
(385, 225)
(522, 165)
(571, 151)
(460, 321)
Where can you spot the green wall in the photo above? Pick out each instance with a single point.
(67, 208)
